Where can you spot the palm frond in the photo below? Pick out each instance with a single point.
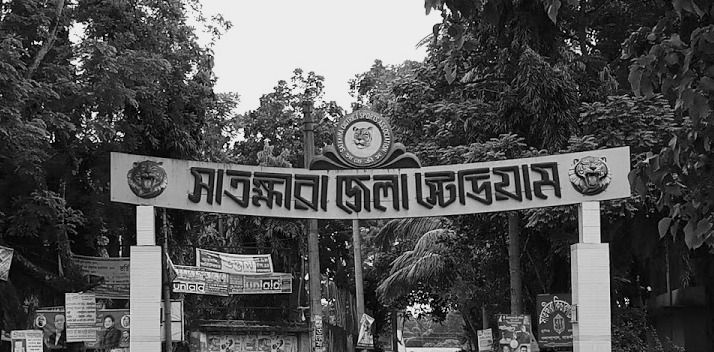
(408, 229)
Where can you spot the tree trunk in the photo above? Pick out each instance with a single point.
(47, 45)
(514, 263)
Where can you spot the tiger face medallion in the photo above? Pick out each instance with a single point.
(590, 175)
(147, 179)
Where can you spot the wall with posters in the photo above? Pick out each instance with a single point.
(220, 342)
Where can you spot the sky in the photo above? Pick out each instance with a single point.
(334, 38)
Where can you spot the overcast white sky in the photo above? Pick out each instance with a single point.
(334, 38)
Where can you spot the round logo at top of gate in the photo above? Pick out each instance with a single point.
(363, 138)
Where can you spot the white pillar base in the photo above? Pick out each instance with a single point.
(145, 298)
(590, 274)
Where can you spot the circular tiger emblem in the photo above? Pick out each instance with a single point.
(363, 138)
(590, 175)
(147, 179)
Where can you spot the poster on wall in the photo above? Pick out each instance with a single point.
(555, 326)
(252, 343)
(115, 272)
(51, 320)
(26, 340)
(112, 329)
(366, 338)
(485, 340)
(516, 334)
(81, 310)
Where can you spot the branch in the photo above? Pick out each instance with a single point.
(47, 45)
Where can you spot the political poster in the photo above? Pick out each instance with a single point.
(5, 262)
(52, 322)
(365, 338)
(108, 321)
(26, 340)
(191, 279)
(485, 340)
(243, 264)
(115, 272)
(555, 326)
(516, 334)
(261, 284)
(81, 310)
(318, 337)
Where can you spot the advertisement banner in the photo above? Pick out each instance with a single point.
(26, 340)
(252, 343)
(485, 340)
(51, 321)
(5, 262)
(112, 329)
(191, 279)
(516, 333)
(115, 272)
(81, 310)
(261, 284)
(555, 326)
(243, 264)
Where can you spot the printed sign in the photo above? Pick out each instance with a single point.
(244, 264)
(115, 272)
(485, 340)
(26, 340)
(252, 343)
(51, 320)
(5, 262)
(503, 185)
(176, 322)
(81, 309)
(263, 284)
(555, 328)
(191, 279)
(516, 333)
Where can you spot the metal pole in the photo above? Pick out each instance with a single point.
(167, 286)
(359, 290)
(312, 235)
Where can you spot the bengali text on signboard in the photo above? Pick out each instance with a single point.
(115, 272)
(81, 310)
(372, 193)
(244, 264)
(555, 327)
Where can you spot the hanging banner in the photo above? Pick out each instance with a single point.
(516, 333)
(261, 284)
(5, 262)
(485, 340)
(243, 264)
(365, 338)
(115, 272)
(81, 310)
(51, 321)
(26, 340)
(504, 185)
(191, 279)
(555, 327)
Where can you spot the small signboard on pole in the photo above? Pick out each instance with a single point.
(81, 309)
(485, 340)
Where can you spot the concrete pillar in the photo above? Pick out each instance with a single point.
(590, 274)
(145, 284)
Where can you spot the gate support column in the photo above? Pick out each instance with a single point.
(590, 275)
(145, 284)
